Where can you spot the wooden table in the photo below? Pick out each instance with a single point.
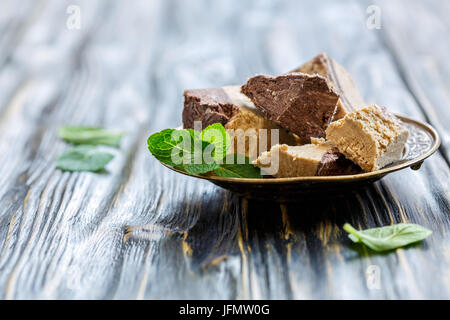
(140, 231)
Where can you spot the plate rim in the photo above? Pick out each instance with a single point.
(429, 128)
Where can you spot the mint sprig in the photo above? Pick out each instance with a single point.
(199, 152)
(216, 135)
(170, 144)
(238, 168)
(85, 156)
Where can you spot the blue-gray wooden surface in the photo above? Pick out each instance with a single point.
(140, 231)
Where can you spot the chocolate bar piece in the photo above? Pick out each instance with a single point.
(209, 106)
(319, 158)
(370, 137)
(301, 103)
(244, 123)
(341, 81)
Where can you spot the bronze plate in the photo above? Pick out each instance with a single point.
(423, 141)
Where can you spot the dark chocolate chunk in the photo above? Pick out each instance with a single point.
(334, 163)
(302, 103)
(208, 106)
(340, 80)
(211, 117)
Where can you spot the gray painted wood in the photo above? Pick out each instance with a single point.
(420, 47)
(140, 231)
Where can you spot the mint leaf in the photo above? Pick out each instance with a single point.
(219, 137)
(181, 148)
(198, 153)
(90, 135)
(200, 168)
(389, 237)
(83, 158)
(238, 169)
(160, 144)
(175, 147)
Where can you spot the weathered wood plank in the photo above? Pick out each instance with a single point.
(141, 231)
(420, 47)
(61, 92)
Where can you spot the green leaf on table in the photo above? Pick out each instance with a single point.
(83, 158)
(389, 237)
(238, 169)
(90, 135)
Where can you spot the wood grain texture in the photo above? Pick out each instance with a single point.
(139, 231)
(420, 48)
